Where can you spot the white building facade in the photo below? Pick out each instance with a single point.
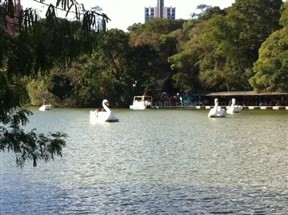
(160, 11)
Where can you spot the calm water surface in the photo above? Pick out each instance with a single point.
(155, 162)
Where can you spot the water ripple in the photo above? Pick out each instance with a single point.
(155, 162)
(143, 199)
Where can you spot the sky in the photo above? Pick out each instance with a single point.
(124, 13)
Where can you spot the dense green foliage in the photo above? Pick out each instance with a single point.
(78, 63)
(223, 48)
(214, 51)
(271, 68)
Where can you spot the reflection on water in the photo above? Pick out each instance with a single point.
(155, 162)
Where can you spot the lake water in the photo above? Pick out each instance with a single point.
(154, 162)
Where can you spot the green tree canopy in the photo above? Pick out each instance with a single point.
(251, 22)
(224, 44)
(271, 69)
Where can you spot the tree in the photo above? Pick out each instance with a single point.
(163, 36)
(207, 12)
(224, 46)
(187, 70)
(143, 69)
(251, 22)
(23, 53)
(202, 58)
(272, 66)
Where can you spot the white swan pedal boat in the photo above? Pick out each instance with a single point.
(233, 108)
(216, 111)
(102, 116)
(45, 107)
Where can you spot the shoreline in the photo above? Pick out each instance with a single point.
(207, 107)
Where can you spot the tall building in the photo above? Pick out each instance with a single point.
(160, 11)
